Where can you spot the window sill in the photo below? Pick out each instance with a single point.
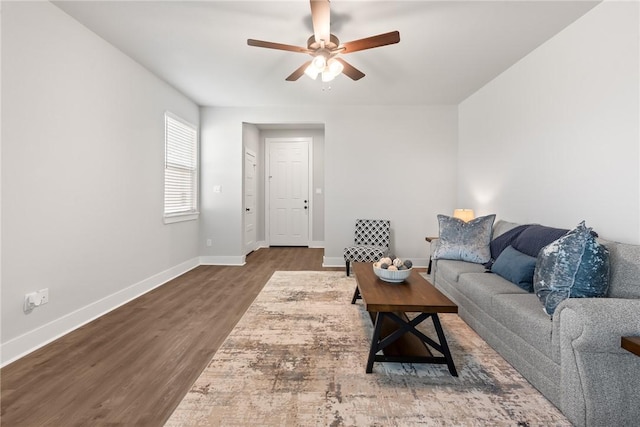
(170, 219)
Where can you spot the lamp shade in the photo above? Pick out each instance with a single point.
(464, 214)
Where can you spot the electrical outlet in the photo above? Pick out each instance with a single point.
(208, 242)
(35, 299)
(43, 294)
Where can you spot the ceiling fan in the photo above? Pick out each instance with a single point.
(326, 49)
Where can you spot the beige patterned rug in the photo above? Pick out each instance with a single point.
(298, 356)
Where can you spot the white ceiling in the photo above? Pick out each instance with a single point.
(447, 50)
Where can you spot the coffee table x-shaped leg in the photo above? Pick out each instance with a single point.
(391, 327)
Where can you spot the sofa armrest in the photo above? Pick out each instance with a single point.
(596, 324)
(598, 378)
(433, 241)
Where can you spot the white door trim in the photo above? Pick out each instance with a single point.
(267, 195)
(254, 245)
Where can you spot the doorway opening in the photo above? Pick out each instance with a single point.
(288, 202)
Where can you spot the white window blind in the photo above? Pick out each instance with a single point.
(180, 168)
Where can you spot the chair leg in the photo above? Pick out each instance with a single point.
(348, 264)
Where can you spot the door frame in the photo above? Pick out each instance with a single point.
(246, 249)
(267, 193)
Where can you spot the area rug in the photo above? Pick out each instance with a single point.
(297, 358)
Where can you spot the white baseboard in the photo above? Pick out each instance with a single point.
(39, 337)
(328, 261)
(420, 262)
(222, 260)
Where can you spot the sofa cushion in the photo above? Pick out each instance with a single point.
(516, 267)
(521, 314)
(482, 287)
(464, 241)
(450, 270)
(575, 265)
(535, 237)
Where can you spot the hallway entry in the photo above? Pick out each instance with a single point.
(288, 213)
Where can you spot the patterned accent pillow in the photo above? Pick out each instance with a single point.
(574, 266)
(464, 241)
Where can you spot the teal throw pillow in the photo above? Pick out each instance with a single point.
(516, 267)
(574, 266)
(464, 241)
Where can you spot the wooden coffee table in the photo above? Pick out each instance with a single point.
(631, 344)
(394, 332)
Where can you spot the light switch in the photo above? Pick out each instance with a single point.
(217, 188)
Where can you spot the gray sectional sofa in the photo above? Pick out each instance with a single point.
(573, 358)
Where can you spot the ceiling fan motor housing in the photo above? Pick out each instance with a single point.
(333, 43)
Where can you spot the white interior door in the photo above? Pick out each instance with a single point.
(288, 180)
(249, 201)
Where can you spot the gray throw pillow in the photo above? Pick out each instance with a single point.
(573, 266)
(464, 241)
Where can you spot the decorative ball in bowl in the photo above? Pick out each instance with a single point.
(392, 270)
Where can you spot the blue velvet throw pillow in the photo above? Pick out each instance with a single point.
(574, 266)
(516, 267)
(464, 241)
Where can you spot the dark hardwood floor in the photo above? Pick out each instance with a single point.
(134, 365)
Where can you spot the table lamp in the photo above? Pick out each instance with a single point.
(464, 214)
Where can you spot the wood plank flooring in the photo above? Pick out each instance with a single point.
(134, 365)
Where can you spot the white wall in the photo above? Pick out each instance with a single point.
(380, 162)
(82, 176)
(555, 139)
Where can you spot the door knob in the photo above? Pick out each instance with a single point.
(247, 209)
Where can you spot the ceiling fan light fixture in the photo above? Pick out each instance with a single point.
(332, 70)
(312, 71)
(319, 62)
(324, 46)
(335, 67)
(327, 75)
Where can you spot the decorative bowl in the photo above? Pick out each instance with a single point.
(392, 276)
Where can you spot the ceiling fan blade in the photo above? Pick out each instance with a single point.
(349, 70)
(279, 46)
(321, 17)
(298, 73)
(371, 42)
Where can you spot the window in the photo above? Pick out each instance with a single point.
(180, 170)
